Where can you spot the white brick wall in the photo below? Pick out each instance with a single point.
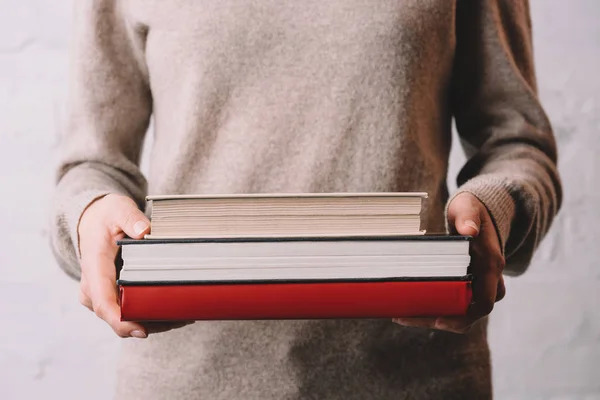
(545, 335)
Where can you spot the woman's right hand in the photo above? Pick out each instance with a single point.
(105, 221)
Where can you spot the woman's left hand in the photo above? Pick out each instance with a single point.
(468, 216)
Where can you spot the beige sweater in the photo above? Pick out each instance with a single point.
(308, 96)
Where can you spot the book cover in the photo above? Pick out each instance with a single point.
(152, 301)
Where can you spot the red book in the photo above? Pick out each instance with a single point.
(313, 300)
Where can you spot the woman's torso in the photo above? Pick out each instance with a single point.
(311, 96)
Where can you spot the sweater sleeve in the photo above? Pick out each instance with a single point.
(506, 135)
(108, 115)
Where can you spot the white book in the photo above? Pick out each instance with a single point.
(295, 259)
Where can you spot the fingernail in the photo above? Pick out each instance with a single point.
(139, 227)
(472, 224)
(441, 325)
(138, 334)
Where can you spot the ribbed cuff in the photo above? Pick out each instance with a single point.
(494, 193)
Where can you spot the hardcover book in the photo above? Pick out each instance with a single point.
(291, 278)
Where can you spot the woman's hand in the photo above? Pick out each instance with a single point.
(103, 223)
(468, 216)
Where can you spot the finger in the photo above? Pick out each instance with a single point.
(416, 322)
(160, 327)
(464, 215)
(487, 268)
(459, 325)
(487, 262)
(104, 297)
(128, 218)
(450, 324)
(501, 291)
(484, 294)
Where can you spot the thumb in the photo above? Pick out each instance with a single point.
(464, 214)
(130, 219)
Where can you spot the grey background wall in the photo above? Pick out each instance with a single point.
(545, 336)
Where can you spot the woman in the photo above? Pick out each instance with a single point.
(342, 96)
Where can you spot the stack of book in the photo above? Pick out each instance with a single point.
(292, 256)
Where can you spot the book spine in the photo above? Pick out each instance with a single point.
(295, 301)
